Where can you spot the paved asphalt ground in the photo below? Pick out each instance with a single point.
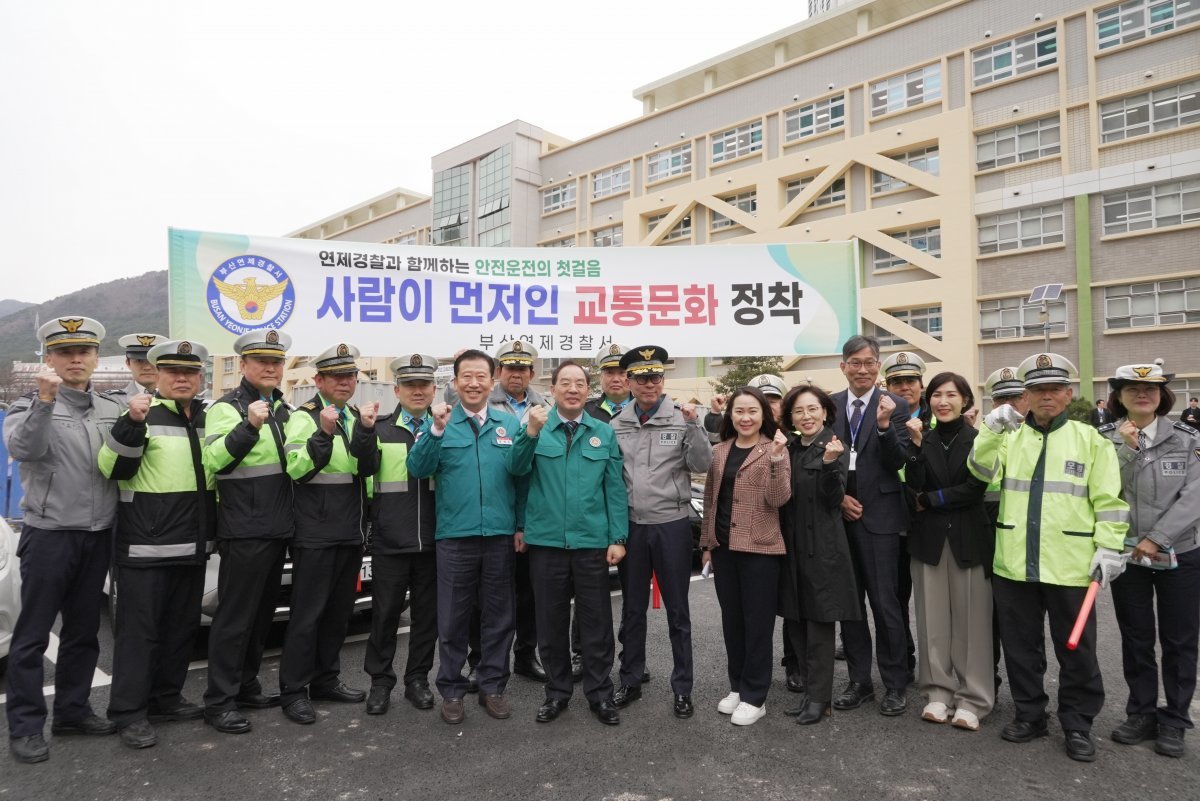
(410, 754)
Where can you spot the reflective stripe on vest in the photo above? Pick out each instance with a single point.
(332, 478)
(251, 471)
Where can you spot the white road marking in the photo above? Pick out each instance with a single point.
(100, 679)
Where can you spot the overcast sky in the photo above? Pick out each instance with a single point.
(118, 120)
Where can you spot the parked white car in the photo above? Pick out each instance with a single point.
(10, 588)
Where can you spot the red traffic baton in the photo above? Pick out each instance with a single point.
(1085, 611)
(654, 593)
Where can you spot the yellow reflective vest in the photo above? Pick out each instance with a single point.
(1059, 499)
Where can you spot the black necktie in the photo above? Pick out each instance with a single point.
(571, 426)
(855, 420)
(416, 423)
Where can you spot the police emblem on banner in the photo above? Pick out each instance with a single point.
(250, 292)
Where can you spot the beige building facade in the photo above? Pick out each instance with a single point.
(974, 149)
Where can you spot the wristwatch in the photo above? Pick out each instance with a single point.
(619, 542)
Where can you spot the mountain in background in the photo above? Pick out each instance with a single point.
(9, 306)
(124, 306)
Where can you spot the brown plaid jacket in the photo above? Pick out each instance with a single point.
(760, 488)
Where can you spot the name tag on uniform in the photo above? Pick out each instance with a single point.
(504, 440)
(853, 458)
(1074, 468)
(1173, 467)
(668, 438)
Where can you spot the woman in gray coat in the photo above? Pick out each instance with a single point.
(817, 587)
(1160, 480)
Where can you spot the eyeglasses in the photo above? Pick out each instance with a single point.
(649, 379)
(859, 364)
(811, 412)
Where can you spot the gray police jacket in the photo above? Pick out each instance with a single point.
(660, 457)
(57, 445)
(1161, 484)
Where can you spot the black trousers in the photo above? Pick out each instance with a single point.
(904, 590)
(248, 582)
(790, 661)
(323, 583)
(558, 574)
(1178, 594)
(62, 572)
(876, 560)
(392, 576)
(748, 592)
(816, 641)
(664, 549)
(471, 572)
(158, 613)
(526, 641)
(1023, 607)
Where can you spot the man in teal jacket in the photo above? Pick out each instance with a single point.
(575, 528)
(479, 509)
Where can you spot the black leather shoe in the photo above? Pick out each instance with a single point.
(419, 694)
(29, 749)
(139, 734)
(338, 692)
(1135, 729)
(228, 722)
(795, 684)
(645, 676)
(257, 701)
(682, 707)
(606, 712)
(625, 695)
(184, 710)
(1170, 742)
(894, 703)
(93, 725)
(854, 696)
(530, 668)
(472, 681)
(576, 667)
(813, 712)
(1024, 731)
(798, 710)
(379, 699)
(550, 709)
(300, 711)
(1080, 746)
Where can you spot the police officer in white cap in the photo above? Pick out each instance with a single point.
(244, 447)
(904, 375)
(55, 433)
(167, 521)
(144, 375)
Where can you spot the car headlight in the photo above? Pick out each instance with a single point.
(698, 506)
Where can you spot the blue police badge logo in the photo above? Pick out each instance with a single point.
(250, 292)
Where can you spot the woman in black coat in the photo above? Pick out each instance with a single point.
(817, 587)
(951, 545)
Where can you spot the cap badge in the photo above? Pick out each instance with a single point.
(415, 361)
(517, 347)
(185, 347)
(145, 341)
(764, 381)
(614, 350)
(647, 354)
(1043, 361)
(901, 358)
(343, 350)
(1006, 374)
(1142, 372)
(71, 325)
(272, 337)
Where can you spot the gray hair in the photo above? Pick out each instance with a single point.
(856, 343)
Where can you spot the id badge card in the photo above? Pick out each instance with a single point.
(853, 458)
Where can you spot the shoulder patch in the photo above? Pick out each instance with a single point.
(310, 406)
(1104, 429)
(1184, 427)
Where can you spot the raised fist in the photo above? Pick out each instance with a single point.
(139, 406)
(690, 412)
(48, 383)
(329, 419)
(916, 430)
(778, 445)
(833, 450)
(367, 414)
(1129, 433)
(884, 411)
(256, 413)
(717, 404)
(537, 419)
(441, 415)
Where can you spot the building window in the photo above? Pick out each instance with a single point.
(814, 118)
(1158, 206)
(927, 319)
(610, 237)
(1022, 228)
(927, 240)
(682, 229)
(1152, 303)
(1015, 56)
(746, 201)
(925, 160)
(1008, 318)
(610, 181)
(558, 197)
(1137, 19)
(1184, 390)
(1147, 112)
(452, 206)
(669, 163)
(910, 89)
(402, 239)
(735, 142)
(568, 242)
(228, 364)
(1015, 143)
(495, 180)
(834, 193)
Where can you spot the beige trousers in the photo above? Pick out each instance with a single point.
(954, 634)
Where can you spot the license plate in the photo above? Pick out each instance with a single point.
(364, 573)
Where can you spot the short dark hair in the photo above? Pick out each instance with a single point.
(570, 363)
(769, 426)
(473, 354)
(1166, 401)
(856, 343)
(1100, 401)
(961, 384)
(789, 400)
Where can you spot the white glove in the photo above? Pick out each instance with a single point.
(1003, 418)
(1107, 564)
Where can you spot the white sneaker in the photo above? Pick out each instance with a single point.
(935, 712)
(964, 719)
(745, 714)
(729, 703)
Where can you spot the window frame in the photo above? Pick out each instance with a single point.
(995, 136)
(1023, 218)
(901, 81)
(563, 190)
(797, 114)
(753, 145)
(1012, 48)
(1139, 30)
